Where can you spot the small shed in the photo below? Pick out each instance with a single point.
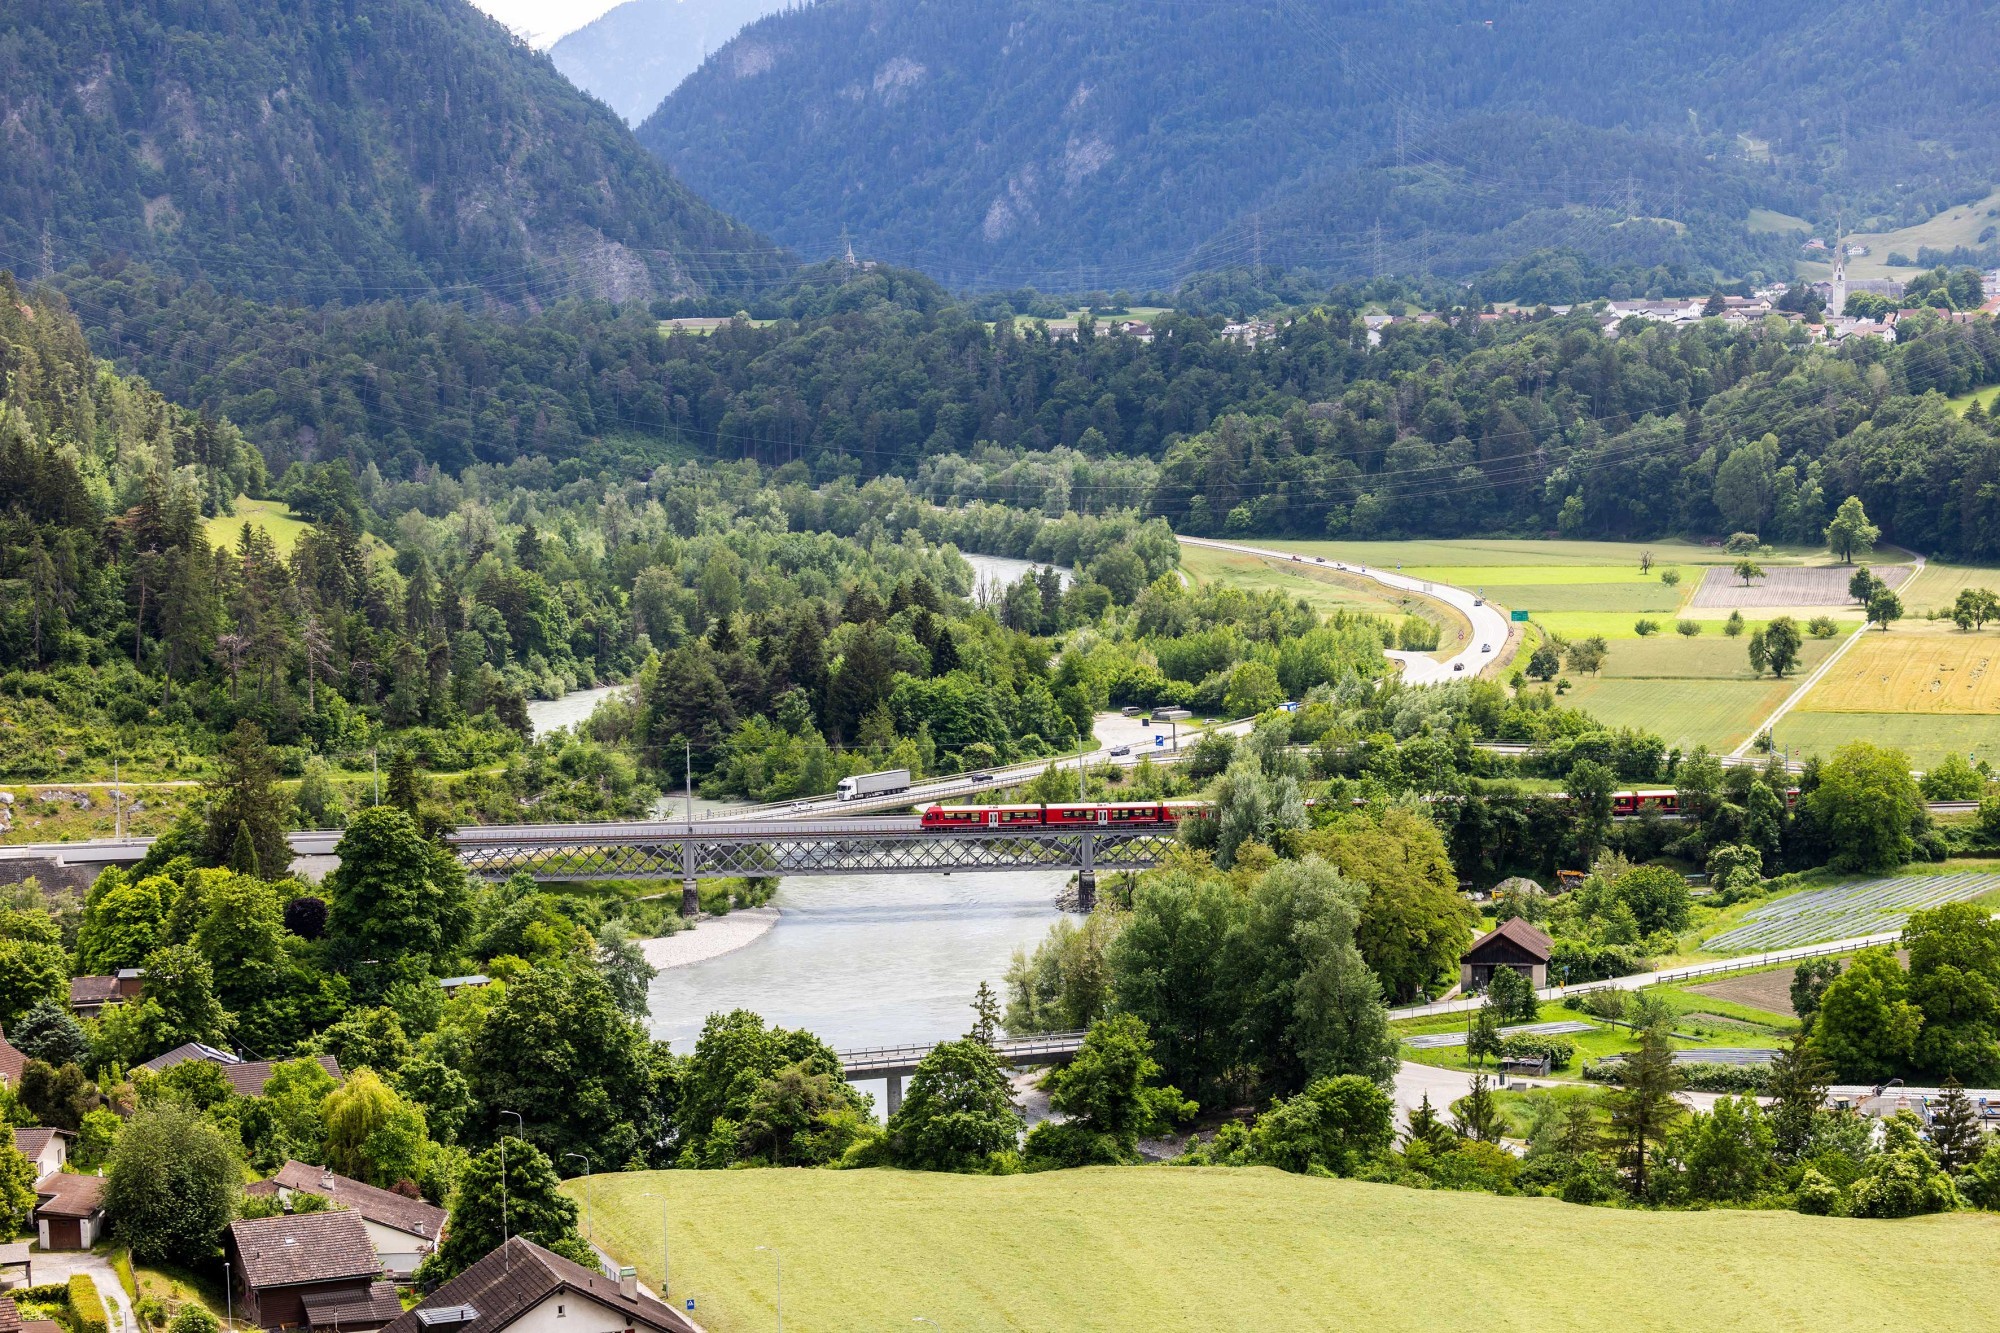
(1513, 944)
(70, 1215)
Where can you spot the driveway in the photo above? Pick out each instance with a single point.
(61, 1265)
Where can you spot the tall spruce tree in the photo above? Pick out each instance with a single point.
(1644, 1109)
(244, 795)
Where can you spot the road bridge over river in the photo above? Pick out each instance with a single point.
(718, 849)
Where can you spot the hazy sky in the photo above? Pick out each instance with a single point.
(543, 21)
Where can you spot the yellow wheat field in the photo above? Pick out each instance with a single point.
(1913, 673)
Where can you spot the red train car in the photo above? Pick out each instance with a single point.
(1129, 814)
(1666, 800)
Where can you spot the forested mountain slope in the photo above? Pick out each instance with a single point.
(334, 149)
(635, 55)
(1047, 140)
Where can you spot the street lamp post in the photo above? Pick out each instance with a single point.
(777, 1259)
(228, 1296)
(586, 1183)
(522, 1126)
(666, 1250)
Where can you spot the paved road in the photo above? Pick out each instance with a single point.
(1489, 625)
(1640, 980)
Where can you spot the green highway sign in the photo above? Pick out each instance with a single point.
(1520, 615)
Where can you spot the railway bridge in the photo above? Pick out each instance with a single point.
(718, 849)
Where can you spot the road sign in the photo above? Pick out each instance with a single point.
(1520, 615)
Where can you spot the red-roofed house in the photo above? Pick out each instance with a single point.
(46, 1149)
(12, 1062)
(1513, 944)
(246, 1077)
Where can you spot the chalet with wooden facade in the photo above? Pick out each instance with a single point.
(311, 1271)
(1513, 944)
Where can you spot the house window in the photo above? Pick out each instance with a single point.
(561, 1313)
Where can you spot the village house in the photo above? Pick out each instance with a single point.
(310, 1271)
(89, 995)
(12, 1063)
(70, 1211)
(47, 1150)
(246, 1077)
(403, 1231)
(523, 1287)
(1513, 944)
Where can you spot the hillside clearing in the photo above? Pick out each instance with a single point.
(273, 516)
(1169, 1247)
(1958, 226)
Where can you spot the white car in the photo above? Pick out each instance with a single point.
(1118, 751)
(1485, 647)
(1458, 666)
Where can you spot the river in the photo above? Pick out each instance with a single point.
(993, 574)
(867, 960)
(547, 715)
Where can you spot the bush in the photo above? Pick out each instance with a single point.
(1533, 1046)
(1572, 961)
(1688, 628)
(193, 1318)
(1054, 1145)
(1822, 627)
(1646, 628)
(86, 1307)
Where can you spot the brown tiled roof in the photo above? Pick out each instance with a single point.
(67, 1195)
(310, 1247)
(85, 991)
(30, 1141)
(246, 1077)
(12, 1062)
(10, 1316)
(353, 1309)
(41, 1326)
(1520, 933)
(518, 1276)
(413, 1216)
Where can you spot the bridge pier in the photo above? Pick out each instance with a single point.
(1086, 891)
(894, 1101)
(690, 898)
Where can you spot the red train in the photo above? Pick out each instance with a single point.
(1134, 814)
(1667, 801)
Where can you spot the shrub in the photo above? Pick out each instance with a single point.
(86, 1306)
(1533, 1046)
(1646, 628)
(1822, 627)
(1688, 628)
(193, 1318)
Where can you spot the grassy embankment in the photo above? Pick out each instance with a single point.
(1147, 1248)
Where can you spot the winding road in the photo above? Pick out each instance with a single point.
(1489, 624)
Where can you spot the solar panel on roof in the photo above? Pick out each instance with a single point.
(446, 1315)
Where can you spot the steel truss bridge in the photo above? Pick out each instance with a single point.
(717, 849)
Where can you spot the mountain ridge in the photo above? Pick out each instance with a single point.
(1030, 141)
(632, 56)
(326, 150)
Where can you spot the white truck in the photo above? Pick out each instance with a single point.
(873, 784)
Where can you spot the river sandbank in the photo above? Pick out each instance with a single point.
(712, 937)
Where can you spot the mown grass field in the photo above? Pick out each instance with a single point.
(1939, 584)
(1986, 398)
(1924, 737)
(273, 516)
(1149, 1248)
(1685, 713)
(1489, 553)
(1925, 668)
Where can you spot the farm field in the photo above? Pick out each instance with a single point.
(1768, 991)
(1820, 587)
(1940, 584)
(1488, 553)
(1847, 911)
(273, 516)
(1925, 668)
(1137, 1248)
(1924, 737)
(1685, 713)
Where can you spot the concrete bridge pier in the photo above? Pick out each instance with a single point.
(690, 898)
(1086, 891)
(894, 1101)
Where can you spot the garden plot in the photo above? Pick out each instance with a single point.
(1869, 907)
(1725, 1055)
(1786, 585)
(1431, 1041)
